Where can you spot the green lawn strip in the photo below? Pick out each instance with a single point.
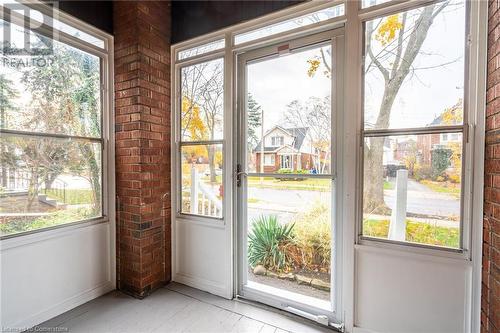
(388, 185)
(15, 225)
(73, 196)
(443, 187)
(309, 184)
(416, 232)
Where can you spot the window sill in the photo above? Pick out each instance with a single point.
(34, 236)
(410, 250)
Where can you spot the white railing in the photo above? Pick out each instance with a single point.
(203, 200)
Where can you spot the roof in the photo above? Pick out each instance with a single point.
(299, 133)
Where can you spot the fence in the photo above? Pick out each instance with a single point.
(203, 200)
(14, 181)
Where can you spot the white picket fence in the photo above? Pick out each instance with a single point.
(203, 200)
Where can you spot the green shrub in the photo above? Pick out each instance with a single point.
(313, 237)
(268, 242)
(440, 162)
(290, 171)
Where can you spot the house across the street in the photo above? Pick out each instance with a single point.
(287, 148)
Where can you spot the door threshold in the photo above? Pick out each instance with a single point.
(295, 297)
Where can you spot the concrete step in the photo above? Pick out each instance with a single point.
(52, 202)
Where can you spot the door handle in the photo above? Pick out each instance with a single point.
(239, 173)
(238, 177)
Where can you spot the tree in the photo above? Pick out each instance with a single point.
(314, 118)
(65, 99)
(254, 115)
(202, 86)
(8, 93)
(399, 40)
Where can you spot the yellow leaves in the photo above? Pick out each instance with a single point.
(388, 29)
(192, 121)
(453, 115)
(313, 66)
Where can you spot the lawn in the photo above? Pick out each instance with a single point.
(388, 185)
(73, 196)
(26, 223)
(416, 232)
(443, 187)
(308, 184)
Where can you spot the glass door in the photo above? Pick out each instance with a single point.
(286, 175)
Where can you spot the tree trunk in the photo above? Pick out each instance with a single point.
(211, 163)
(94, 176)
(33, 188)
(373, 195)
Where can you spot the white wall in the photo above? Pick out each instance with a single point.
(408, 292)
(201, 256)
(48, 273)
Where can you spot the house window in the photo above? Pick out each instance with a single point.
(269, 159)
(413, 172)
(201, 132)
(53, 125)
(277, 141)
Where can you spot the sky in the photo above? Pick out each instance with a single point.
(276, 82)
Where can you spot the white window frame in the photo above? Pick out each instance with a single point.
(271, 161)
(467, 142)
(352, 126)
(107, 139)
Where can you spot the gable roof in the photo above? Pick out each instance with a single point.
(298, 133)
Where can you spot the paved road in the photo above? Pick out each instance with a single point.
(286, 203)
(422, 200)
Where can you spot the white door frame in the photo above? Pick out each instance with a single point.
(336, 38)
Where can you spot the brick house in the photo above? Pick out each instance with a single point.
(286, 148)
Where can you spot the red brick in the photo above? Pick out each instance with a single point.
(142, 74)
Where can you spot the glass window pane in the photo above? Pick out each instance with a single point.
(414, 68)
(38, 17)
(46, 182)
(302, 21)
(202, 89)
(202, 49)
(57, 93)
(289, 126)
(299, 211)
(412, 189)
(201, 177)
(369, 3)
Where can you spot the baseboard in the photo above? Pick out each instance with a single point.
(202, 284)
(63, 306)
(362, 330)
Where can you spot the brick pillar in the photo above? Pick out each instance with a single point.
(142, 107)
(490, 293)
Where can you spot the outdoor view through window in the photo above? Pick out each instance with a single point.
(50, 144)
(202, 111)
(413, 125)
(289, 184)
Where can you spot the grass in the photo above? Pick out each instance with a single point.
(73, 196)
(309, 184)
(443, 187)
(253, 200)
(21, 224)
(416, 232)
(388, 185)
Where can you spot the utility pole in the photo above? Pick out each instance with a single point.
(262, 146)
